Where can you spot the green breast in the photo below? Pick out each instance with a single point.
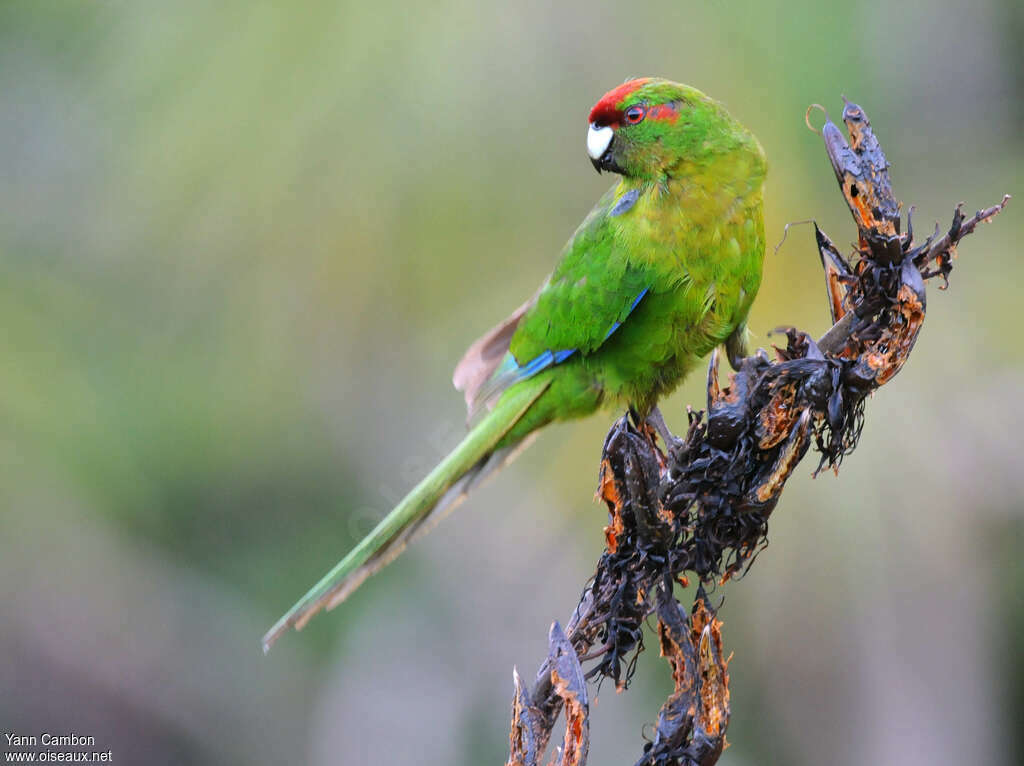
(703, 255)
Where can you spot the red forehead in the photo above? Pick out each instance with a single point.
(606, 111)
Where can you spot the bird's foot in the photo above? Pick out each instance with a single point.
(736, 347)
(657, 421)
(735, 358)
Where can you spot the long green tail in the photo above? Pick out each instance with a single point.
(417, 513)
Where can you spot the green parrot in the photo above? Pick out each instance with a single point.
(662, 271)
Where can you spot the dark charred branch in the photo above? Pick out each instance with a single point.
(700, 507)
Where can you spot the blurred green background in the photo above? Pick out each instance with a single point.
(242, 245)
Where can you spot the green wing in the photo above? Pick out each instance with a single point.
(590, 293)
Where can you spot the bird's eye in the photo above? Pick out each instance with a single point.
(635, 114)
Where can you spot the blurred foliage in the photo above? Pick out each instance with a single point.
(242, 246)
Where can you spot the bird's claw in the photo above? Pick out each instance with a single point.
(673, 444)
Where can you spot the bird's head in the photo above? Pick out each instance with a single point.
(653, 129)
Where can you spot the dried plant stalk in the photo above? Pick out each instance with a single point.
(700, 506)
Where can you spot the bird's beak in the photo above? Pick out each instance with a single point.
(599, 146)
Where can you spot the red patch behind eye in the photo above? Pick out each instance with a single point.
(665, 112)
(606, 111)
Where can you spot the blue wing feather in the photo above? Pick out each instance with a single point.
(510, 372)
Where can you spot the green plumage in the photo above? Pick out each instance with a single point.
(691, 243)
